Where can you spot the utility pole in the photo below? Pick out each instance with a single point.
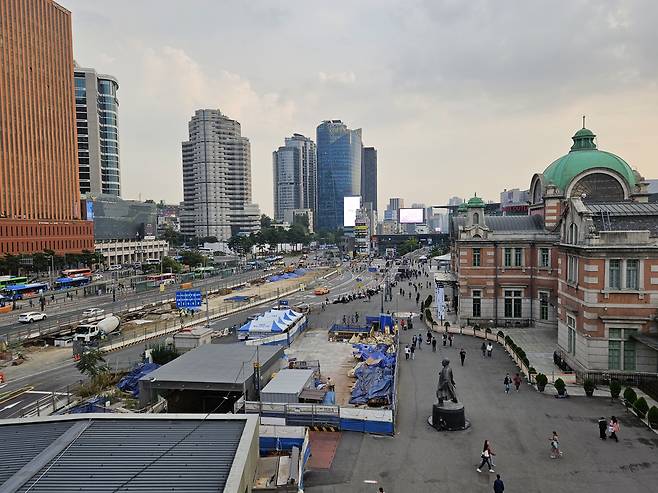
(207, 310)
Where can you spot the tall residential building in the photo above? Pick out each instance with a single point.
(96, 112)
(339, 171)
(369, 176)
(39, 185)
(217, 179)
(295, 176)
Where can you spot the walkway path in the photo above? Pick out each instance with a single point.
(421, 459)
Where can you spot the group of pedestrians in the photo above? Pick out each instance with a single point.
(487, 349)
(508, 381)
(611, 427)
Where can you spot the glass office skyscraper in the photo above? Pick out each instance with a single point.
(96, 111)
(339, 171)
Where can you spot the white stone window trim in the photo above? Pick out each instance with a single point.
(622, 277)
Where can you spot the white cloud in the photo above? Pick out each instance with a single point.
(339, 77)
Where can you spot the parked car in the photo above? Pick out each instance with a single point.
(29, 317)
(93, 312)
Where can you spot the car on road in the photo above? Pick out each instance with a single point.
(93, 312)
(29, 317)
(320, 291)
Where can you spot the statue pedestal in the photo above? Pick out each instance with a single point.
(448, 417)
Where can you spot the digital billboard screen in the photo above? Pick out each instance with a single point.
(350, 206)
(412, 216)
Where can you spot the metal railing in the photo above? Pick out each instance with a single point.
(646, 382)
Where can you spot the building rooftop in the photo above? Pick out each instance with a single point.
(510, 224)
(216, 364)
(288, 381)
(103, 452)
(625, 216)
(584, 156)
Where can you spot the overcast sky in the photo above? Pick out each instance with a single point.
(457, 96)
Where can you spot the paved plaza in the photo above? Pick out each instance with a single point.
(518, 425)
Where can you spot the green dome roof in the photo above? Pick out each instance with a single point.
(583, 156)
(475, 202)
(462, 207)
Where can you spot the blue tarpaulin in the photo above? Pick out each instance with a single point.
(95, 405)
(130, 383)
(374, 382)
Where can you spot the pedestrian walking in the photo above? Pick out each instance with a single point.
(517, 381)
(413, 352)
(486, 457)
(407, 352)
(381, 490)
(413, 341)
(434, 344)
(445, 339)
(507, 382)
(429, 336)
(483, 348)
(603, 426)
(489, 349)
(450, 338)
(462, 355)
(420, 341)
(556, 453)
(613, 428)
(498, 485)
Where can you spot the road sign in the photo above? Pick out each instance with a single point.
(283, 302)
(188, 299)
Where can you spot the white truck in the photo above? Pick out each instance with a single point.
(95, 330)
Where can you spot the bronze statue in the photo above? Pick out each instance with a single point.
(446, 388)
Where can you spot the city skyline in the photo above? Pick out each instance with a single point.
(426, 109)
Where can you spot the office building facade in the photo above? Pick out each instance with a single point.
(295, 176)
(369, 177)
(39, 184)
(339, 171)
(217, 179)
(96, 113)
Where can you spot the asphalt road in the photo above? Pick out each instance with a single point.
(62, 312)
(39, 385)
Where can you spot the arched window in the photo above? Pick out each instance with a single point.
(476, 218)
(573, 233)
(536, 193)
(599, 187)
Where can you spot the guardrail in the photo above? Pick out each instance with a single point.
(369, 420)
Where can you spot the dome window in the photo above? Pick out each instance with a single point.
(598, 187)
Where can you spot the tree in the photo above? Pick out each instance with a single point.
(170, 265)
(408, 246)
(162, 354)
(173, 237)
(296, 234)
(265, 221)
(192, 258)
(91, 363)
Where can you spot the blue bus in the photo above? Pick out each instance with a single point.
(22, 291)
(71, 282)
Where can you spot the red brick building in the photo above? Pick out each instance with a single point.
(39, 191)
(584, 261)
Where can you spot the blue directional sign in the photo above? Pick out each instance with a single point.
(283, 302)
(188, 299)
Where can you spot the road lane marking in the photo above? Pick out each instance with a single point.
(9, 406)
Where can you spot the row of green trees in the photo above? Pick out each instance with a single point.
(273, 236)
(42, 261)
